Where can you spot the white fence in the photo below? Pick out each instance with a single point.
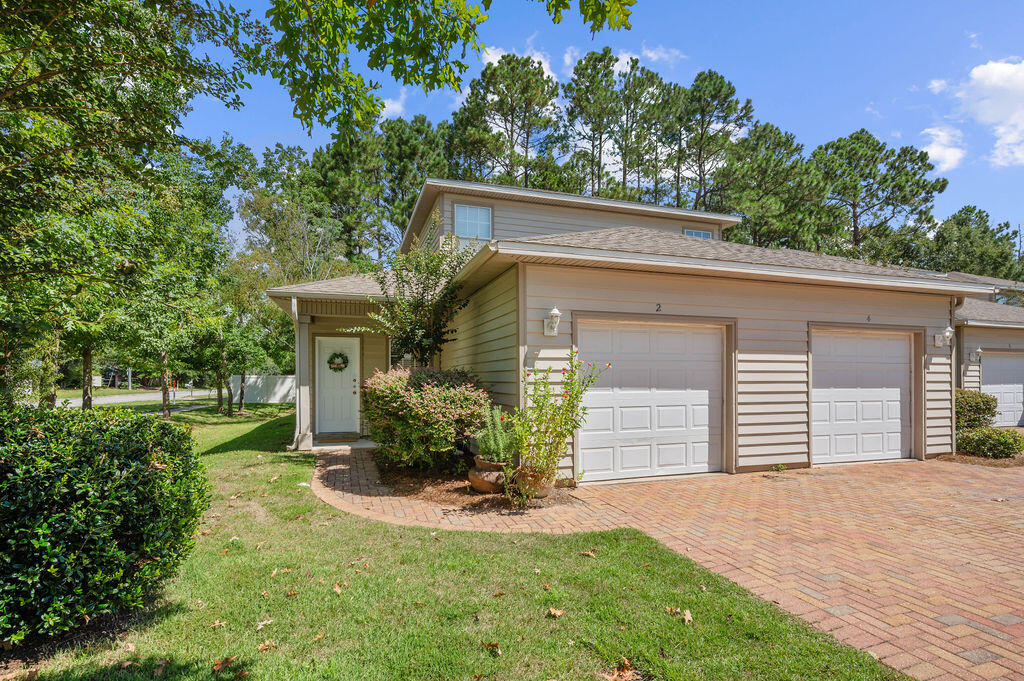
(269, 389)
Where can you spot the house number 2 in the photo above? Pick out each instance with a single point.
(657, 307)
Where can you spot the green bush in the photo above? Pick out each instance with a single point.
(419, 418)
(496, 441)
(974, 409)
(990, 442)
(96, 508)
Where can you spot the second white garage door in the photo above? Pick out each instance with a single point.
(861, 396)
(1002, 376)
(658, 410)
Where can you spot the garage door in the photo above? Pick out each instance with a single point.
(861, 396)
(658, 410)
(1002, 376)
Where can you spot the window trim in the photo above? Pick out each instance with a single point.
(490, 221)
(698, 233)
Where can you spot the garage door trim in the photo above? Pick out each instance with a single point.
(993, 351)
(917, 377)
(728, 326)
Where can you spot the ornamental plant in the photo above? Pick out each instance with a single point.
(419, 418)
(974, 409)
(97, 508)
(990, 442)
(554, 411)
(496, 440)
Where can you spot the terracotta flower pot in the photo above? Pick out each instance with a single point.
(536, 484)
(486, 476)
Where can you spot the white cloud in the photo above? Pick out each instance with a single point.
(491, 55)
(994, 96)
(896, 134)
(937, 85)
(973, 37)
(669, 55)
(569, 59)
(394, 107)
(870, 108)
(946, 149)
(622, 63)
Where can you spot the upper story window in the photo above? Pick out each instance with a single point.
(472, 222)
(699, 233)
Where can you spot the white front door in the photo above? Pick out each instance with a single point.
(1002, 376)
(337, 392)
(860, 396)
(658, 410)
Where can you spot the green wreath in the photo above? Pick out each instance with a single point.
(338, 361)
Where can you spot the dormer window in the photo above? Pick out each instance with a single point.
(473, 222)
(699, 233)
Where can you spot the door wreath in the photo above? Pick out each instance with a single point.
(338, 361)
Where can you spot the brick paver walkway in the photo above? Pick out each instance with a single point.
(921, 564)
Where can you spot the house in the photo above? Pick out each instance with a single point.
(725, 357)
(990, 343)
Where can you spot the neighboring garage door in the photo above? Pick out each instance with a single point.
(861, 396)
(1002, 376)
(658, 410)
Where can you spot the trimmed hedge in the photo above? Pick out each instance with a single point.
(990, 442)
(417, 418)
(974, 409)
(97, 508)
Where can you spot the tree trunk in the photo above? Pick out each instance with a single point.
(87, 377)
(225, 378)
(241, 393)
(231, 399)
(220, 391)
(165, 384)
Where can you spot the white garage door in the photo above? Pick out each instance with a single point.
(658, 410)
(1002, 376)
(861, 396)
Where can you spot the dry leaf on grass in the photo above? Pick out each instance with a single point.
(552, 612)
(222, 664)
(499, 594)
(265, 594)
(337, 588)
(263, 624)
(291, 593)
(319, 637)
(275, 478)
(687, 617)
(158, 670)
(589, 554)
(493, 647)
(129, 663)
(205, 532)
(265, 646)
(241, 675)
(546, 587)
(218, 623)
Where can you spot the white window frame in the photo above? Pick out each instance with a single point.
(698, 233)
(471, 207)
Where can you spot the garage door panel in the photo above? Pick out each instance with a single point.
(1002, 376)
(664, 396)
(861, 396)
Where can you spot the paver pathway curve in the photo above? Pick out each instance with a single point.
(921, 564)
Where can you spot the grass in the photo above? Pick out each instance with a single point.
(415, 604)
(71, 393)
(149, 407)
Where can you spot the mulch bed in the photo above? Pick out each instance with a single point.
(454, 492)
(1015, 462)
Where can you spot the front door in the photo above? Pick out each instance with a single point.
(337, 392)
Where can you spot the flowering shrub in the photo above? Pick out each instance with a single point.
(542, 429)
(990, 442)
(417, 418)
(97, 507)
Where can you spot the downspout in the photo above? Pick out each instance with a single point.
(298, 401)
(955, 350)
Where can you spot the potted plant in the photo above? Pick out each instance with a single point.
(554, 411)
(494, 451)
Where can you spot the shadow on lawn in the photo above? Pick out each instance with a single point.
(134, 667)
(271, 436)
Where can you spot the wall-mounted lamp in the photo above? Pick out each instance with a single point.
(944, 338)
(976, 355)
(551, 323)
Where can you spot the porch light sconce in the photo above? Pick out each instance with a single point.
(976, 355)
(551, 323)
(943, 338)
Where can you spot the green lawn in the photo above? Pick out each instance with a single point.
(70, 393)
(147, 406)
(414, 604)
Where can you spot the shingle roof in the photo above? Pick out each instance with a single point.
(647, 241)
(353, 285)
(994, 281)
(975, 310)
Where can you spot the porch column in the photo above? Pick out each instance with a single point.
(303, 392)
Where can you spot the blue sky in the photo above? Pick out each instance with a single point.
(945, 76)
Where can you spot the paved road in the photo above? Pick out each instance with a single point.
(148, 396)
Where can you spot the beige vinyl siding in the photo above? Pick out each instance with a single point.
(373, 349)
(1010, 340)
(487, 338)
(517, 219)
(772, 322)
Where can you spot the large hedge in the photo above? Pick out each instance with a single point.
(96, 508)
(418, 418)
(974, 409)
(990, 442)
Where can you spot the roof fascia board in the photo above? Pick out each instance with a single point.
(993, 325)
(731, 267)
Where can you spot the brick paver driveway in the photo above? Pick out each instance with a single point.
(921, 564)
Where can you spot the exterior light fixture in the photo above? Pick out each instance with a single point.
(976, 355)
(551, 323)
(944, 338)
